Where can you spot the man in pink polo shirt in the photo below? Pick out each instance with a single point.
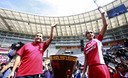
(29, 57)
(93, 54)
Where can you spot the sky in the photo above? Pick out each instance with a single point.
(52, 7)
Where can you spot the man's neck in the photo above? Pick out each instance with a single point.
(36, 43)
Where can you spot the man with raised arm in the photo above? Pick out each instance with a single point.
(29, 57)
(93, 53)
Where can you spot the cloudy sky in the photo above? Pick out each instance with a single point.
(52, 7)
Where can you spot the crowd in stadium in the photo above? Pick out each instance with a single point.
(116, 59)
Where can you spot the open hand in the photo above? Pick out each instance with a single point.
(11, 75)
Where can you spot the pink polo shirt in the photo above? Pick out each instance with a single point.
(31, 59)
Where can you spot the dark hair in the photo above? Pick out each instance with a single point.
(3, 64)
(13, 46)
(121, 64)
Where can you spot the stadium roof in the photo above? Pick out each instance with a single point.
(73, 25)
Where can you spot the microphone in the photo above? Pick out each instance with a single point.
(99, 8)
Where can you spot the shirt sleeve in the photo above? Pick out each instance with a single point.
(44, 46)
(100, 37)
(21, 51)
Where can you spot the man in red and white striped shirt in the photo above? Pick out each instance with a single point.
(93, 54)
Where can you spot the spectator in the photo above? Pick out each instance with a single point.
(121, 71)
(5, 70)
(79, 73)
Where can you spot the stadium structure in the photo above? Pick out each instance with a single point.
(69, 33)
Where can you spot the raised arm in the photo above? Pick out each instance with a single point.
(104, 28)
(51, 34)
